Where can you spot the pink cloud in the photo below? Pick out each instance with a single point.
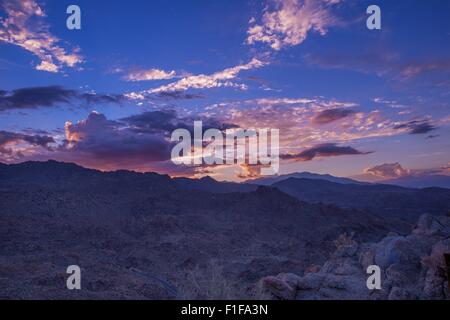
(24, 27)
(288, 22)
(388, 171)
(218, 79)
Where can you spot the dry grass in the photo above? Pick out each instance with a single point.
(209, 283)
(258, 292)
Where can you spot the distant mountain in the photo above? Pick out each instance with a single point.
(266, 181)
(211, 185)
(428, 181)
(382, 200)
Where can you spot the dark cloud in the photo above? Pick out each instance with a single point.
(417, 126)
(35, 140)
(42, 141)
(153, 121)
(323, 150)
(8, 140)
(91, 98)
(97, 140)
(167, 121)
(331, 115)
(139, 142)
(36, 97)
(178, 95)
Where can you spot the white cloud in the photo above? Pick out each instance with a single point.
(150, 74)
(134, 96)
(290, 21)
(218, 79)
(24, 27)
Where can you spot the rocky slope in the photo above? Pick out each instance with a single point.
(413, 267)
(382, 200)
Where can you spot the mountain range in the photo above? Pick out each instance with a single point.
(303, 175)
(137, 234)
(419, 181)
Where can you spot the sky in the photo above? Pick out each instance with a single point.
(348, 101)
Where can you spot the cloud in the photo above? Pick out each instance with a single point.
(153, 121)
(388, 171)
(150, 74)
(216, 80)
(332, 115)
(15, 146)
(384, 64)
(250, 171)
(392, 171)
(168, 120)
(97, 141)
(294, 115)
(418, 68)
(179, 95)
(288, 22)
(417, 126)
(24, 26)
(323, 150)
(35, 97)
(7, 137)
(163, 95)
(140, 142)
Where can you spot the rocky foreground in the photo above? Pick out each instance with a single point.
(413, 267)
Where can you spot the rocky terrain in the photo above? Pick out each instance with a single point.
(412, 267)
(147, 236)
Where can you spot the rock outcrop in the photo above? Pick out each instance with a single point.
(412, 267)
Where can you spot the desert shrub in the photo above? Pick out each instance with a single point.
(259, 292)
(209, 283)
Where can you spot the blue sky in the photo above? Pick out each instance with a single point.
(309, 68)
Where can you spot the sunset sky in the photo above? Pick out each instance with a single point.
(349, 101)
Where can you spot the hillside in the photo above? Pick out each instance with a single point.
(120, 226)
(382, 200)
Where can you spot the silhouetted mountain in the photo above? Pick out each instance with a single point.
(60, 175)
(211, 185)
(421, 181)
(382, 200)
(266, 181)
